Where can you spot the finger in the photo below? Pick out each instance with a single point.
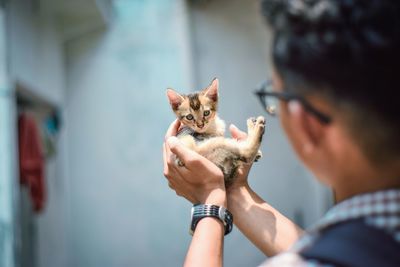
(173, 129)
(182, 189)
(169, 160)
(179, 185)
(173, 187)
(171, 170)
(169, 157)
(165, 160)
(186, 155)
(236, 133)
(174, 126)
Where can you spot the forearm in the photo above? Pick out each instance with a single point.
(206, 248)
(263, 225)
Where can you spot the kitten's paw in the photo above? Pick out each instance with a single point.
(258, 156)
(259, 127)
(250, 123)
(256, 126)
(260, 120)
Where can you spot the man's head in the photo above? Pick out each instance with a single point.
(346, 53)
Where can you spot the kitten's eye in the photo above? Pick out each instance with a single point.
(206, 113)
(189, 117)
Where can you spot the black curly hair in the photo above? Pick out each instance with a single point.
(349, 51)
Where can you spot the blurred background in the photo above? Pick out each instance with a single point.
(83, 112)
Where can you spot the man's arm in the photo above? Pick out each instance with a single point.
(263, 225)
(199, 181)
(206, 248)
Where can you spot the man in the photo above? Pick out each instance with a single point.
(335, 68)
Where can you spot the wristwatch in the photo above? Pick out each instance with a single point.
(200, 211)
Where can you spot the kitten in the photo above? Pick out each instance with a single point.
(203, 131)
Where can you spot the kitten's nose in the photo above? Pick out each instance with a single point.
(200, 125)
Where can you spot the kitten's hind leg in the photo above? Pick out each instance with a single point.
(255, 130)
(256, 126)
(251, 124)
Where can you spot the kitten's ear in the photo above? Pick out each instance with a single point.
(174, 98)
(212, 90)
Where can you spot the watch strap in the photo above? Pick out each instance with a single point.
(200, 211)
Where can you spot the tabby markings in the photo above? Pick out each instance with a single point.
(194, 101)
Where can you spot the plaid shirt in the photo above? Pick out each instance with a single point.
(379, 209)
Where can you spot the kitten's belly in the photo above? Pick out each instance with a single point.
(219, 150)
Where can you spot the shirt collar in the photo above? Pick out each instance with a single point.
(380, 209)
(379, 205)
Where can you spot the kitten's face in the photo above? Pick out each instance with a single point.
(196, 110)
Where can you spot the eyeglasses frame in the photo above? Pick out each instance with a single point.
(262, 93)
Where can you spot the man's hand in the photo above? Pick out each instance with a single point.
(199, 180)
(243, 172)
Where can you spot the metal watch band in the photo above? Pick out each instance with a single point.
(200, 211)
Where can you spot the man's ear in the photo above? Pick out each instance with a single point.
(174, 98)
(308, 129)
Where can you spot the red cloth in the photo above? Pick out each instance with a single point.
(31, 160)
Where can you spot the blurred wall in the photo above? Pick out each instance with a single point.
(36, 50)
(36, 60)
(122, 210)
(231, 42)
(7, 167)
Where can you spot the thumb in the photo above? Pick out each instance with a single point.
(236, 133)
(180, 150)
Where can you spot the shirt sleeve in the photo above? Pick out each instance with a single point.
(291, 259)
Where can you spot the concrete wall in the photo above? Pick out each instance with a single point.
(36, 50)
(231, 41)
(36, 60)
(122, 210)
(7, 174)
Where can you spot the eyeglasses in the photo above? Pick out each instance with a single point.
(270, 101)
